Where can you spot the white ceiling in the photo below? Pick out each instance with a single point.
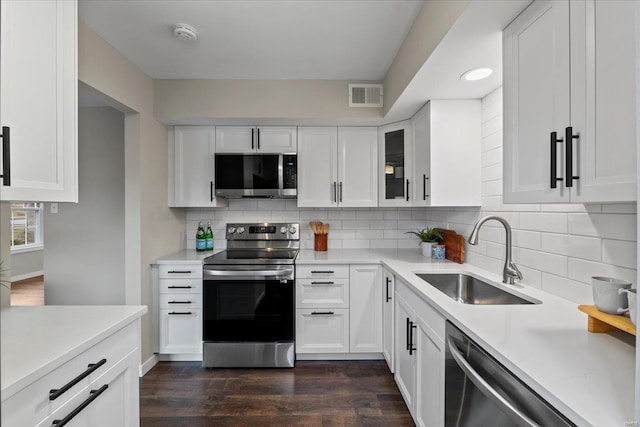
(256, 39)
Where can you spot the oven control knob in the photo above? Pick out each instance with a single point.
(283, 230)
(240, 230)
(231, 230)
(292, 230)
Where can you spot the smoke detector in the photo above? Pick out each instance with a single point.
(185, 32)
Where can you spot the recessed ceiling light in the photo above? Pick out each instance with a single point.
(477, 74)
(185, 32)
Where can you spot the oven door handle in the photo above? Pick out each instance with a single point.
(247, 274)
(511, 411)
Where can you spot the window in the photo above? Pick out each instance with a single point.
(26, 226)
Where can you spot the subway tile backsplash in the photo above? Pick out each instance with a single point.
(557, 247)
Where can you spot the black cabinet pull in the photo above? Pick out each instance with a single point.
(258, 138)
(388, 297)
(322, 313)
(335, 192)
(424, 187)
(93, 396)
(569, 137)
(180, 313)
(179, 287)
(252, 138)
(322, 272)
(323, 283)
(211, 190)
(6, 156)
(554, 159)
(55, 393)
(407, 190)
(180, 302)
(180, 272)
(340, 191)
(411, 347)
(408, 331)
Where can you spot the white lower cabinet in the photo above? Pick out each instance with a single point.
(419, 356)
(106, 395)
(338, 309)
(179, 303)
(322, 330)
(388, 287)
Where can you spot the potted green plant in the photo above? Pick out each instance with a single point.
(428, 236)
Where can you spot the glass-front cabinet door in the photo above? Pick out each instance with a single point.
(394, 143)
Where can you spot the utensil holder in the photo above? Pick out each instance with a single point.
(320, 242)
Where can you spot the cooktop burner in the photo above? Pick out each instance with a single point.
(253, 256)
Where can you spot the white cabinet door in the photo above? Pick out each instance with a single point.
(394, 165)
(39, 99)
(421, 129)
(357, 174)
(365, 310)
(388, 287)
(536, 102)
(180, 331)
(404, 361)
(191, 172)
(277, 139)
(317, 166)
(235, 139)
(429, 410)
(322, 330)
(603, 100)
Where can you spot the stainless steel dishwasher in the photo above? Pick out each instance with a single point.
(479, 391)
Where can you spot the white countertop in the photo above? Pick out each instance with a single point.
(186, 256)
(36, 340)
(588, 377)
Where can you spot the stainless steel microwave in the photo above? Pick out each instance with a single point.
(256, 175)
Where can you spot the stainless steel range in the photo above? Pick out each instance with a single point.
(249, 298)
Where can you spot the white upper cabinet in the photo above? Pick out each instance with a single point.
(38, 99)
(446, 159)
(394, 165)
(191, 167)
(560, 145)
(336, 167)
(250, 139)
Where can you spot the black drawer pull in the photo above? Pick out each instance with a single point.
(93, 396)
(179, 272)
(181, 313)
(55, 393)
(322, 272)
(323, 283)
(179, 287)
(388, 298)
(179, 302)
(321, 313)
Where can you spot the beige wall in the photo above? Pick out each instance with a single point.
(434, 21)
(197, 101)
(26, 264)
(152, 229)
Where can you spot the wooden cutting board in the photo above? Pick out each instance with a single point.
(455, 245)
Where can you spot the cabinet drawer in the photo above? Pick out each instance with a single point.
(32, 404)
(322, 293)
(180, 271)
(180, 301)
(314, 271)
(180, 286)
(180, 330)
(322, 330)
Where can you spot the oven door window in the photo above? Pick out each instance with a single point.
(256, 311)
(247, 171)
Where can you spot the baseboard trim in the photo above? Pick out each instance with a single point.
(26, 276)
(339, 356)
(146, 366)
(186, 357)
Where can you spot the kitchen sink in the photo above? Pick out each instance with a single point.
(469, 290)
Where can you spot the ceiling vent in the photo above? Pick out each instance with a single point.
(365, 95)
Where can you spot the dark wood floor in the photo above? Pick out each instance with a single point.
(183, 394)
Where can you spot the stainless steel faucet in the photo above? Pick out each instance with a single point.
(510, 271)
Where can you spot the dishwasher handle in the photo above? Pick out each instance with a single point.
(512, 412)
